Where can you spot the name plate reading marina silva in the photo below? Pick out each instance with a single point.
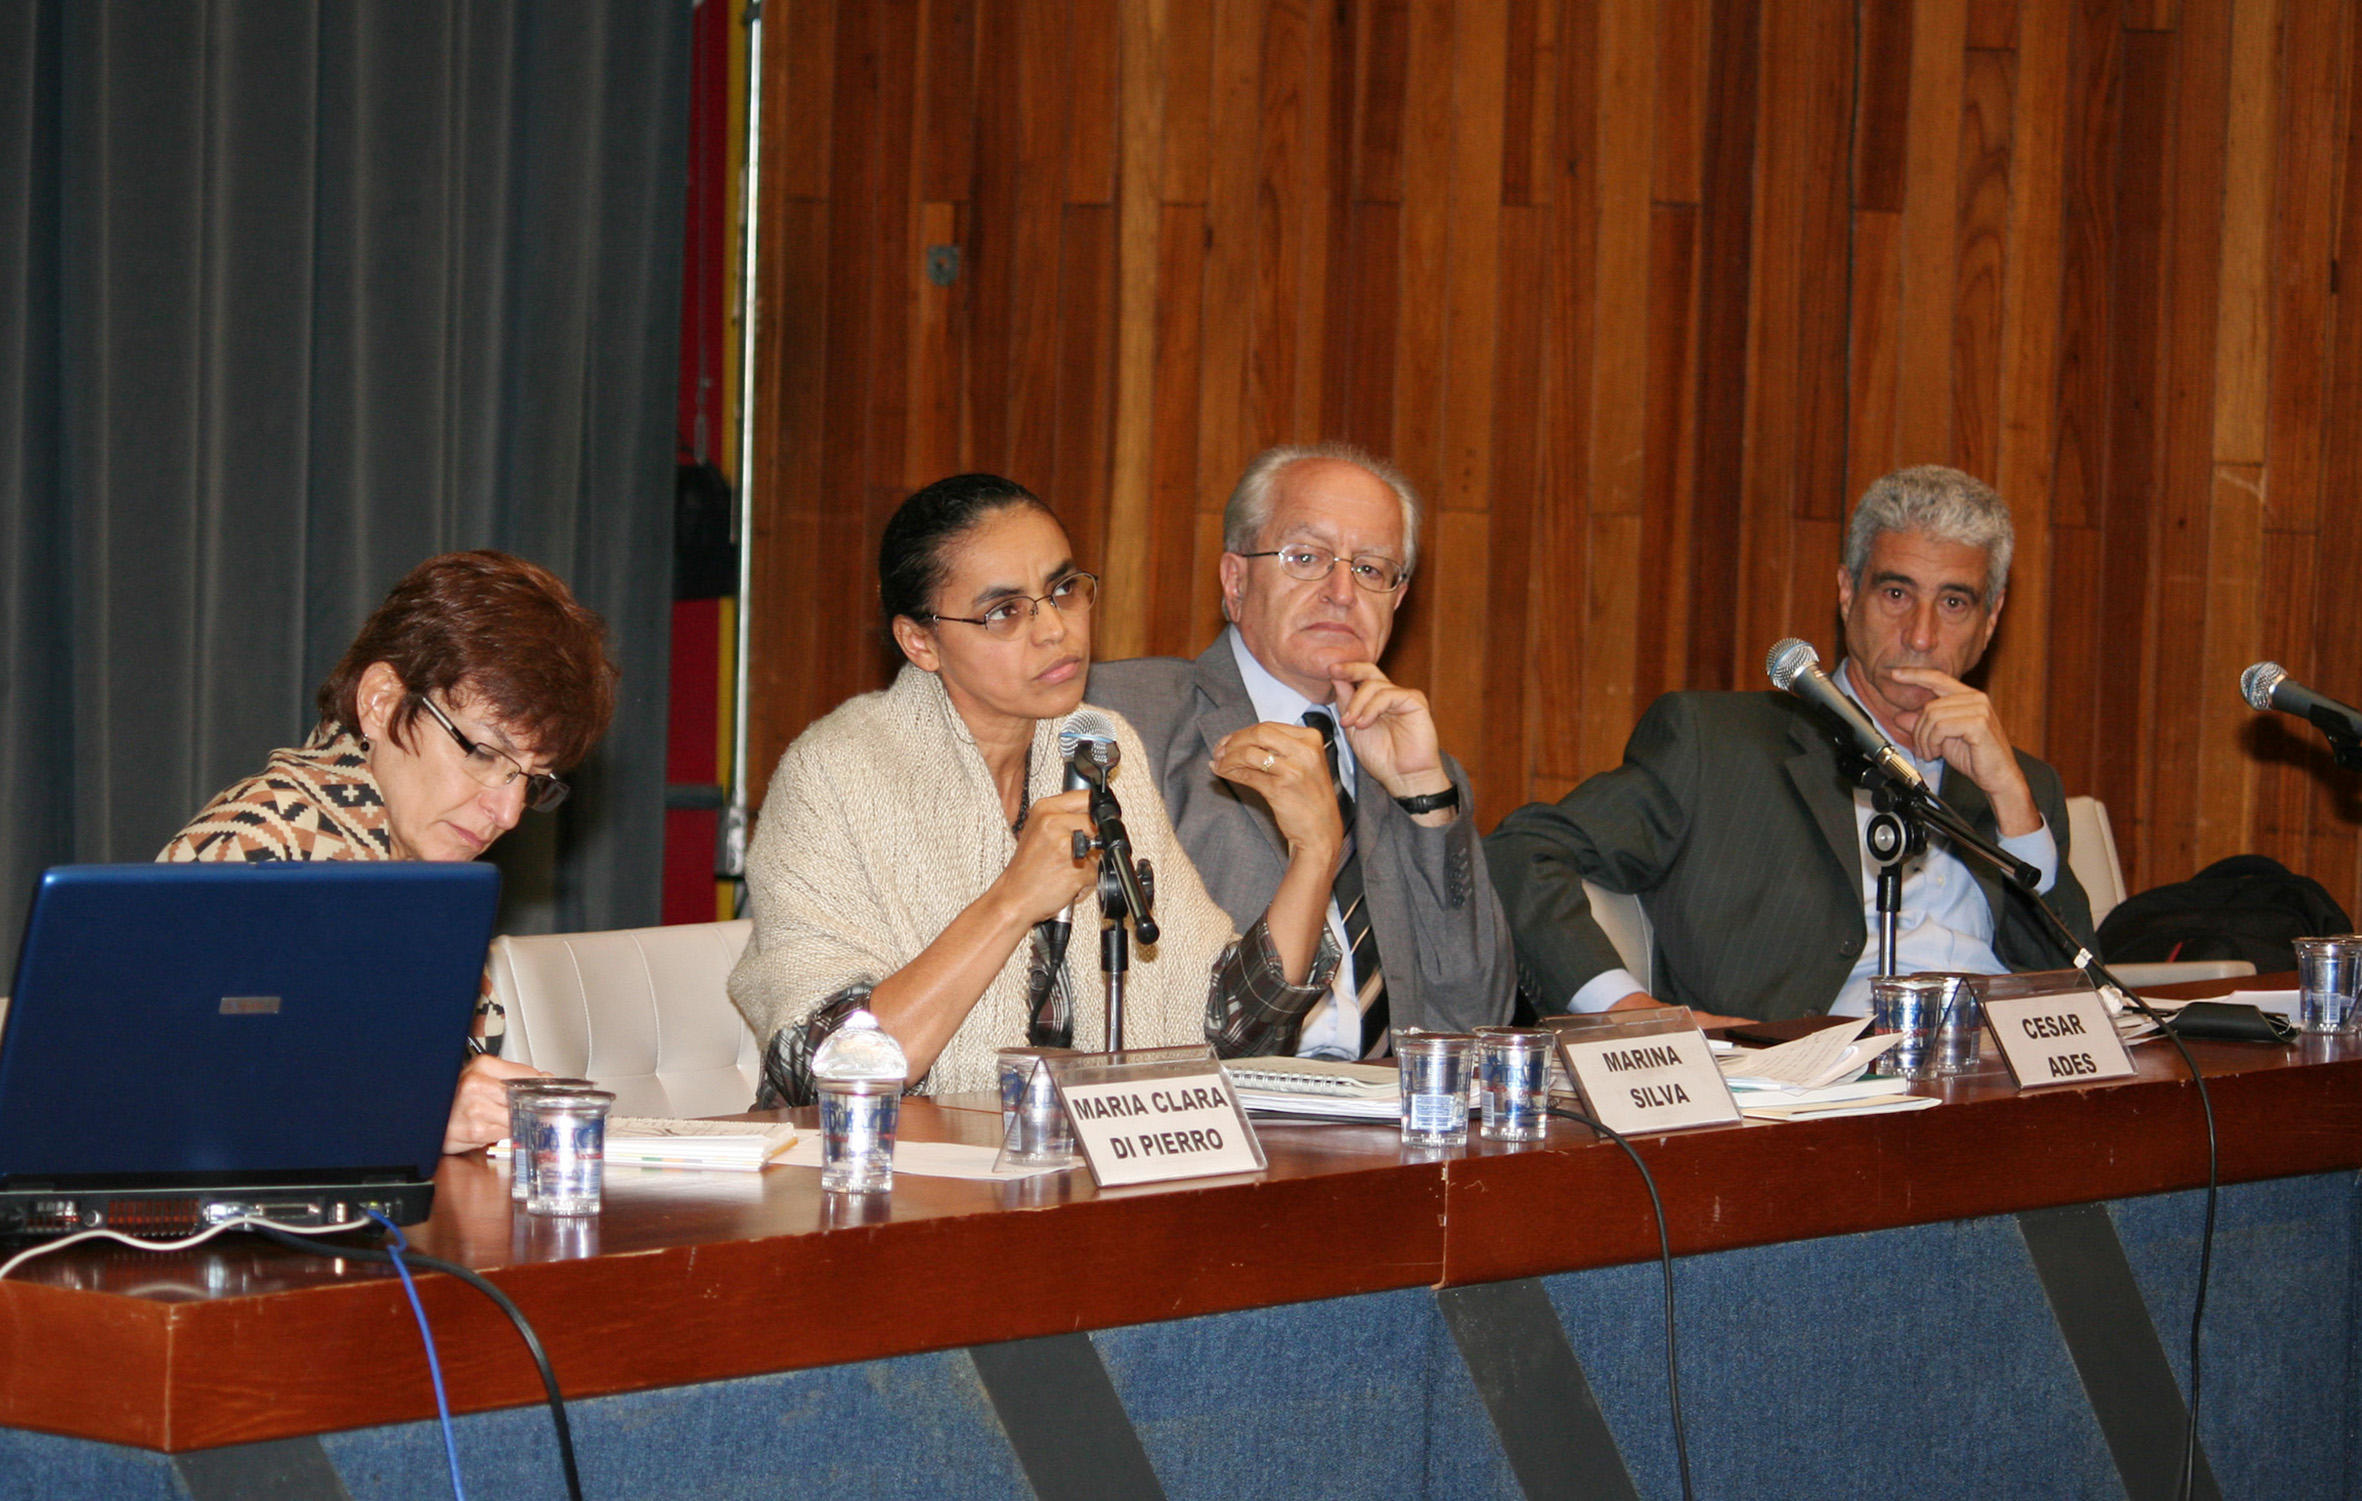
(2065, 1038)
(1640, 1075)
(1153, 1115)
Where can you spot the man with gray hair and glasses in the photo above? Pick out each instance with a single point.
(1319, 544)
(1733, 822)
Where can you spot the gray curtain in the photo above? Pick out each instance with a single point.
(292, 296)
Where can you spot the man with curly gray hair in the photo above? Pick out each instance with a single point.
(1734, 822)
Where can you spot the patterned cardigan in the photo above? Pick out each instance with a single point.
(319, 801)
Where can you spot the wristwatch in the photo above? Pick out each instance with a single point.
(1430, 802)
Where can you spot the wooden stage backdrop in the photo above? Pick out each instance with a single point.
(1639, 292)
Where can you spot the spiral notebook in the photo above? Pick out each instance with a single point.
(1320, 1088)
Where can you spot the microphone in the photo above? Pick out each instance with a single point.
(1796, 667)
(2267, 685)
(1090, 748)
(1087, 744)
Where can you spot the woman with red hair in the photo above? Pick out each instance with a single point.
(468, 692)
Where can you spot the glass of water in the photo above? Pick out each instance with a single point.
(1513, 1067)
(2327, 970)
(1940, 1020)
(1034, 1129)
(520, 1126)
(1436, 1068)
(857, 1121)
(569, 1135)
(858, 1073)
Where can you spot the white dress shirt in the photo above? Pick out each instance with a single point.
(1945, 924)
(1333, 1029)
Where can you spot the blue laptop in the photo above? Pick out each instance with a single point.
(189, 1042)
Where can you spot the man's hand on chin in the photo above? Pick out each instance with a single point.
(1392, 731)
(1959, 725)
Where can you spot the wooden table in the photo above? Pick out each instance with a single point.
(696, 1277)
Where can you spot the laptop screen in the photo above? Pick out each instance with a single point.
(207, 1023)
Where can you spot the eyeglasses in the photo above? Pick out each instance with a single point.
(497, 768)
(1073, 595)
(1372, 571)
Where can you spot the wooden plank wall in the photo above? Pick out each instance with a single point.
(1639, 292)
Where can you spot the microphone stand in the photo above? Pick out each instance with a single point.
(1894, 840)
(1127, 893)
(1917, 805)
(2344, 749)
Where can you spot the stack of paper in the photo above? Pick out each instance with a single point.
(1317, 1087)
(724, 1146)
(1818, 1077)
(1833, 1055)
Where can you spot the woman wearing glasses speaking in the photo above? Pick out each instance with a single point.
(916, 844)
(471, 687)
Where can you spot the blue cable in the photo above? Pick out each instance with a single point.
(434, 1367)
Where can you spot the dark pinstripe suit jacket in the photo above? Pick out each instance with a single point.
(1733, 823)
(1441, 936)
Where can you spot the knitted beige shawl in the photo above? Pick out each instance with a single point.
(882, 825)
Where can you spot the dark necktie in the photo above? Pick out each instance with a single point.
(1363, 943)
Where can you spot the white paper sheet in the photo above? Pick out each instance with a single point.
(927, 1159)
(1832, 1055)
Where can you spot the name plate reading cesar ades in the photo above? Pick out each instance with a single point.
(2059, 1039)
(1640, 1077)
(1155, 1122)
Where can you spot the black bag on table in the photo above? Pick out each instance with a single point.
(2248, 907)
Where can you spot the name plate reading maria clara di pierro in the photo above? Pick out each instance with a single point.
(2067, 1038)
(1145, 1116)
(1644, 1076)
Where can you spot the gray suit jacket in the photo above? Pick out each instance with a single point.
(1732, 820)
(1442, 937)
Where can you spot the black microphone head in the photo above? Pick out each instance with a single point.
(1789, 661)
(2257, 682)
(1091, 731)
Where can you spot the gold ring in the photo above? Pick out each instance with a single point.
(1269, 760)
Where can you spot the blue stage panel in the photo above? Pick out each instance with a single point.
(1924, 1359)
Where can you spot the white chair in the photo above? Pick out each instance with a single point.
(1625, 922)
(644, 1011)
(2091, 854)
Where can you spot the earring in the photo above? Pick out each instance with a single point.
(364, 745)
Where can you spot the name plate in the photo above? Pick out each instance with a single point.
(1155, 1122)
(1642, 1077)
(2067, 1038)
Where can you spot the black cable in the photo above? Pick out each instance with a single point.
(549, 1379)
(2089, 963)
(1966, 841)
(1665, 1259)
